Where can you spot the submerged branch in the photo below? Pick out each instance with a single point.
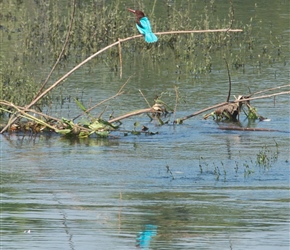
(138, 112)
(248, 129)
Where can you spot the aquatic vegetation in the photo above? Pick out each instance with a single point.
(216, 172)
(266, 156)
(168, 170)
(229, 170)
(16, 85)
(43, 27)
(247, 169)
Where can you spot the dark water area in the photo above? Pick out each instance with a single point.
(189, 186)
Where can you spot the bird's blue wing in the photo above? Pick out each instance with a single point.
(144, 26)
(145, 29)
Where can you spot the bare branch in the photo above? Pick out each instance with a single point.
(104, 49)
(271, 89)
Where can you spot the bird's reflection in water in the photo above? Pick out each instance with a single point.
(144, 238)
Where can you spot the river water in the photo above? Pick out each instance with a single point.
(189, 186)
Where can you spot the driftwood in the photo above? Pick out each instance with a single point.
(224, 104)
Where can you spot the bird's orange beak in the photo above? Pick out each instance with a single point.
(133, 11)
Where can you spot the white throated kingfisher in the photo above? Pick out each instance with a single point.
(144, 27)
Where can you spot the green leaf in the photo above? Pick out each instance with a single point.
(96, 125)
(102, 125)
(81, 106)
(84, 134)
(68, 122)
(103, 133)
(108, 124)
(136, 124)
(63, 131)
(252, 114)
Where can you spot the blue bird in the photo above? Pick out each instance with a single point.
(144, 27)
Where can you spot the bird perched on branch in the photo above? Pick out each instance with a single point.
(144, 27)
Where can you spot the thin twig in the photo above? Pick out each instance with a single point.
(263, 96)
(120, 92)
(138, 112)
(176, 100)
(232, 14)
(9, 104)
(120, 56)
(144, 98)
(271, 89)
(153, 8)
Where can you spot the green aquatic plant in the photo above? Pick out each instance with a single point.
(200, 166)
(224, 171)
(168, 170)
(266, 156)
(16, 85)
(247, 171)
(43, 28)
(216, 172)
(252, 113)
(236, 168)
(263, 158)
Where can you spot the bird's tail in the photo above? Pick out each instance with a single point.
(150, 37)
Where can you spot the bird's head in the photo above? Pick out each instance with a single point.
(138, 13)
